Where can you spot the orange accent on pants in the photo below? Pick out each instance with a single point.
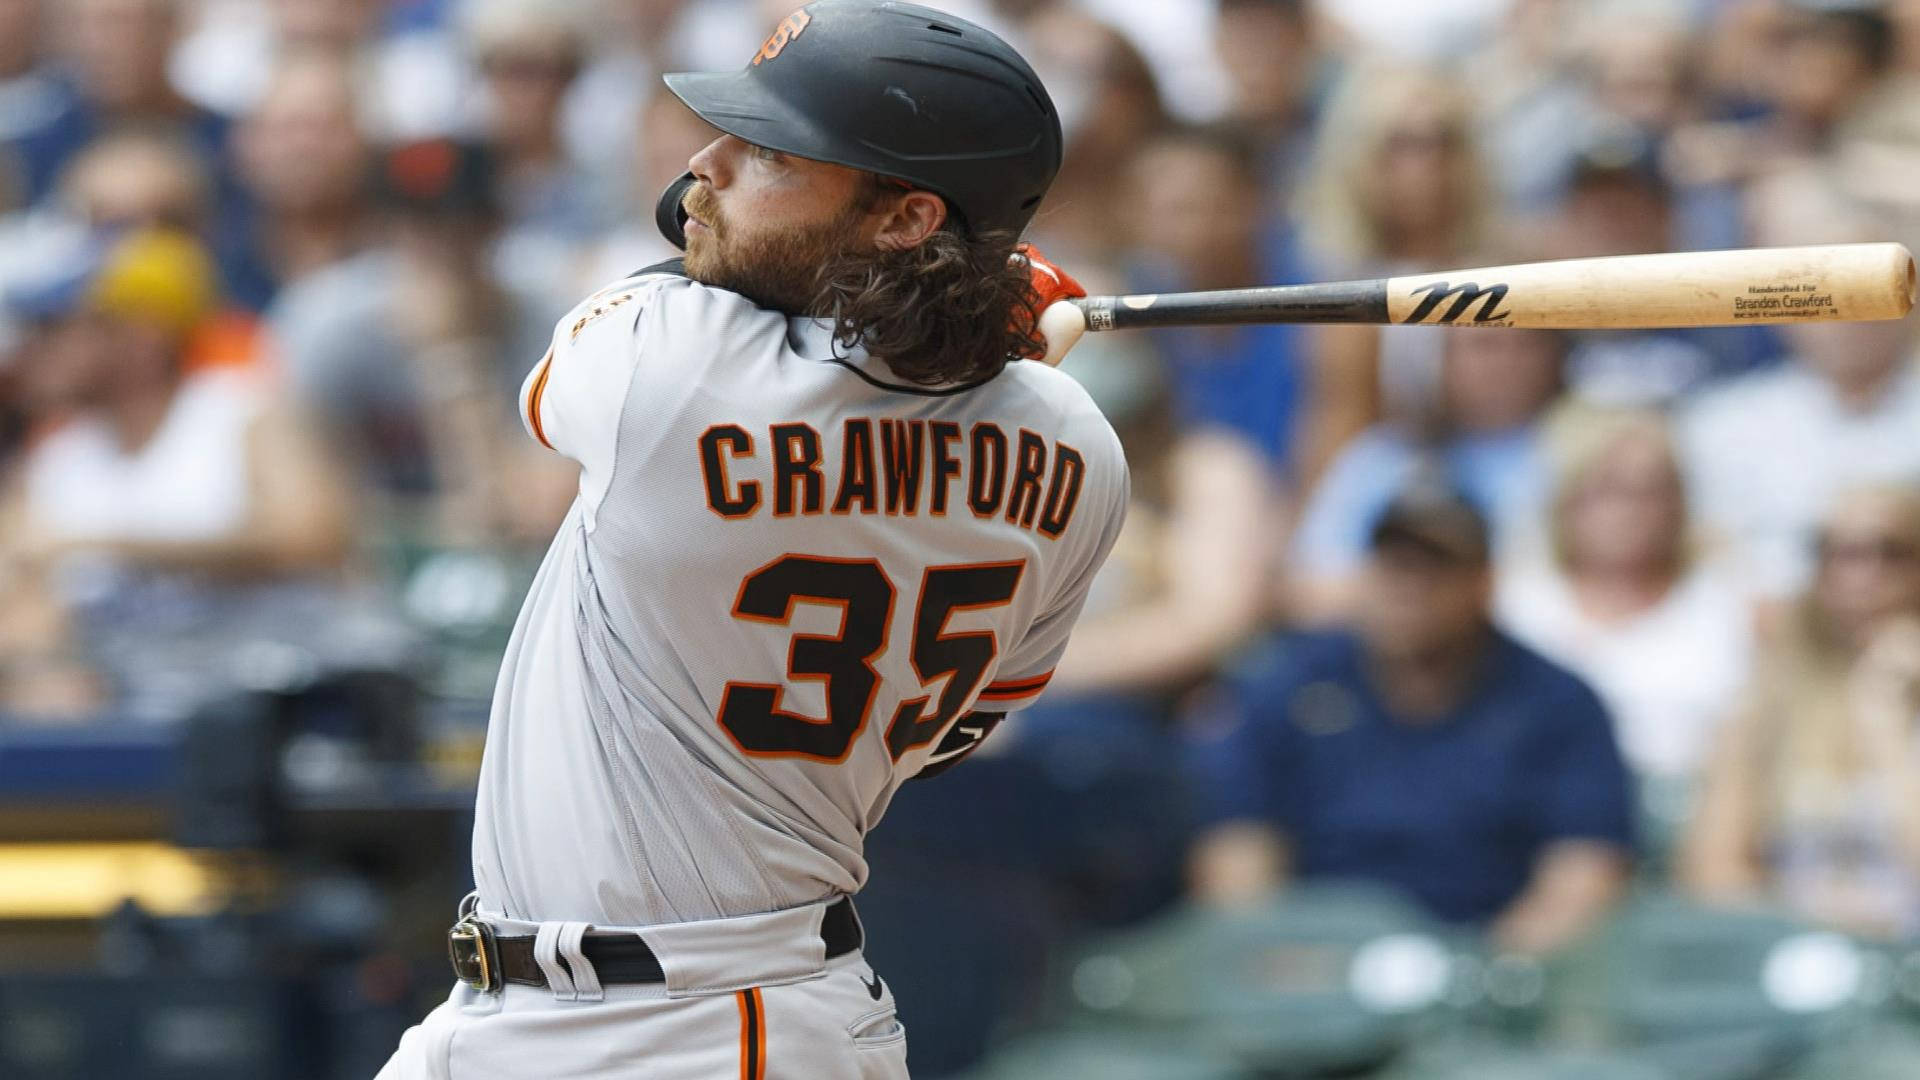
(753, 1034)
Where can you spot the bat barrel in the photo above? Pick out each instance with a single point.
(1832, 283)
(1837, 283)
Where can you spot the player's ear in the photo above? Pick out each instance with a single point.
(909, 219)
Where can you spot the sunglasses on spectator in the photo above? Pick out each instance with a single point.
(1887, 550)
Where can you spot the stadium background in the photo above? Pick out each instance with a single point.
(273, 269)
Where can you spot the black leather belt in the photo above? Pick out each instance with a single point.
(485, 960)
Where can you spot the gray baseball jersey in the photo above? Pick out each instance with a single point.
(787, 578)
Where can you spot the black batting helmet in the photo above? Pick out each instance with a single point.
(895, 89)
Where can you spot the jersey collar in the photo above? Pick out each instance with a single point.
(813, 339)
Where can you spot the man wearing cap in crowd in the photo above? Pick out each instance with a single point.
(1420, 748)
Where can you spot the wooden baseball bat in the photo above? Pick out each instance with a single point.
(1690, 288)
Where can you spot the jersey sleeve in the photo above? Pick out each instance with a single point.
(1028, 669)
(571, 401)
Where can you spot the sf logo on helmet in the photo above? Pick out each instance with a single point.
(790, 28)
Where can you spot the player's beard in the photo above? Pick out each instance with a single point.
(779, 269)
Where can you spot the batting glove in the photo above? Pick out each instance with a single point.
(1061, 323)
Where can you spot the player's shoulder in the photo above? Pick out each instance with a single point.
(1054, 399)
(661, 302)
(668, 282)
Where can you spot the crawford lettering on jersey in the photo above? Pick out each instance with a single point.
(893, 467)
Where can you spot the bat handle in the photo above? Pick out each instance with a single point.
(1325, 302)
(1096, 312)
(1062, 325)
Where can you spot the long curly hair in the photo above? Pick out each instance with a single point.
(955, 309)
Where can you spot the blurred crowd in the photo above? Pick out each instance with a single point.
(1502, 619)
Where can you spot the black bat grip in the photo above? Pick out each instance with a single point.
(1332, 302)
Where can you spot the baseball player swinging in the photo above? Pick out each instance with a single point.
(826, 536)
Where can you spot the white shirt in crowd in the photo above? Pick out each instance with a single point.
(1668, 676)
(188, 482)
(1767, 453)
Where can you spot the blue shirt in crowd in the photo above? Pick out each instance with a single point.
(1453, 811)
(1245, 380)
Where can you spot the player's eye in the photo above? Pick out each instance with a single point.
(767, 154)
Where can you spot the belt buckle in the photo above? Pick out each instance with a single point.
(475, 956)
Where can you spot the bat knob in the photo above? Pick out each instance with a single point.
(1061, 325)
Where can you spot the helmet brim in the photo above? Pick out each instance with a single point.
(741, 106)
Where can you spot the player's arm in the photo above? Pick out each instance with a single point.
(571, 401)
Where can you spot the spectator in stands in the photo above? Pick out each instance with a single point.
(45, 675)
(412, 351)
(1110, 107)
(529, 52)
(159, 467)
(1482, 432)
(1642, 58)
(1814, 796)
(303, 159)
(35, 102)
(1621, 595)
(1193, 192)
(1765, 452)
(1229, 397)
(1531, 106)
(1833, 57)
(1619, 201)
(138, 178)
(1184, 584)
(1395, 174)
(1419, 748)
(1808, 70)
(329, 24)
(1277, 74)
(131, 179)
(1906, 25)
(117, 53)
(163, 492)
(410, 70)
(1643, 65)
(635, 42)
(1739, 44)
(1395, 185)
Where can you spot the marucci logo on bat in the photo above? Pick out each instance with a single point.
(1464, 295)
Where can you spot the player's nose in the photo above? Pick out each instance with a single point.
(712, 164)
